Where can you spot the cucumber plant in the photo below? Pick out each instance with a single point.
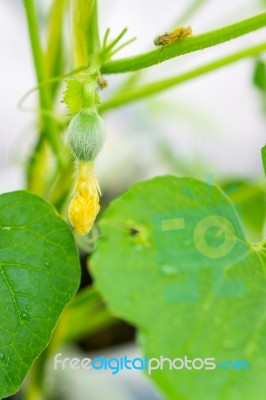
(139, 256)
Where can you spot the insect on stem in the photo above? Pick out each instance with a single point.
(173, 36)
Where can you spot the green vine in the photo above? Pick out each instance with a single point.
(185, 46)
(135, 94)
(48, 125)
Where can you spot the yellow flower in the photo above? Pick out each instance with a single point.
(84, 207)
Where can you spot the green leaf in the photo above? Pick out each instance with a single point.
(39, 274)
(174, 262)
(74, 96)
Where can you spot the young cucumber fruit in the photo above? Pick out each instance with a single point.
(86, 135)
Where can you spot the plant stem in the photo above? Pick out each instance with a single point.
(185, 46)
(37, 167)
(48, 125)
(34, 390)
(84, 316)
(79, 14)
(189, 12)
(159, 86)
(85, 34)
(54, 52)
(94, 45)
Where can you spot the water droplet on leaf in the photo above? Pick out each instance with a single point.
(46, 263)
(26, 316)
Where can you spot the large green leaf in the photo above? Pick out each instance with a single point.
(251, 198)
(39, 274)
(174, 262)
